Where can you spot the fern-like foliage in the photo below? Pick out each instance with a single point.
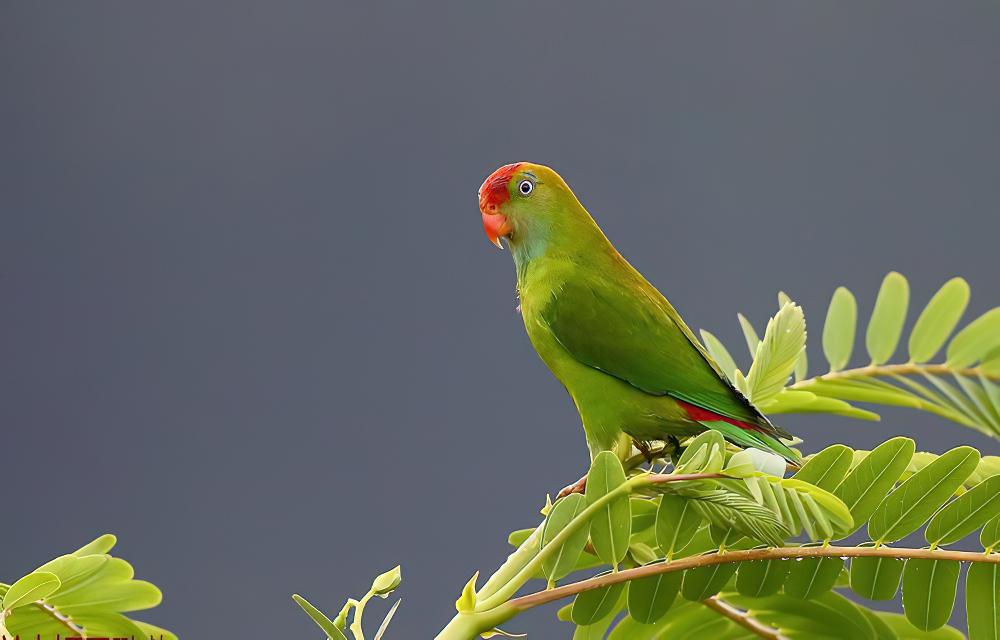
(84, 594)
(962, 386)
(890, 492)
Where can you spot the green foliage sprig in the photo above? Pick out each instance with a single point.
(741, 565)
(964, 387)
(336, 629)
(84, 593)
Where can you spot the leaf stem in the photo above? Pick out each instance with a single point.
(778, 553)
(906, 369)
(500, 593)
(742, 618)
(58, 615)
(359, 610)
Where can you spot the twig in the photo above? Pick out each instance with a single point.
(907, 369)
(742, 618)
(778, 553)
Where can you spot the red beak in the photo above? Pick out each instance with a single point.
(496, 226)
(492, 195)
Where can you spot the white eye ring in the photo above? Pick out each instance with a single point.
(525, 187)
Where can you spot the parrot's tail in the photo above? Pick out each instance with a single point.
(754, 439)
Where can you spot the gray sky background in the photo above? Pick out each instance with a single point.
(250, 320)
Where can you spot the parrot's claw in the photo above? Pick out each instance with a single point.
(577, 487)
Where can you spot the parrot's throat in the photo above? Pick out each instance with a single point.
(526, 247)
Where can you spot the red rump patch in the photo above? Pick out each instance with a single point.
(698, 414)
(494, 192)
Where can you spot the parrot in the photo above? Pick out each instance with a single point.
(635, 371)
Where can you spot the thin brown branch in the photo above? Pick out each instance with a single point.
(907, 369)
(778, 553)
(742, 618)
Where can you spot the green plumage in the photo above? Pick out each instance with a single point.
(621, 350)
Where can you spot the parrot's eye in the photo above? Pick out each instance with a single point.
(525, 187)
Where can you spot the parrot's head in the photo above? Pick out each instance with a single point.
(522, 200)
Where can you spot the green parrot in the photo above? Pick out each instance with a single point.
(635, 371)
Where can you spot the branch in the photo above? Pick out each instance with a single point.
(889, 370)
(551, 595)
(742, 618)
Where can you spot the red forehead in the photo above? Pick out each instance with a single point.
(494, 189)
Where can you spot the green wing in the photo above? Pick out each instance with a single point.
(631, 332)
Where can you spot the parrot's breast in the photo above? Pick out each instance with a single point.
(608, 406)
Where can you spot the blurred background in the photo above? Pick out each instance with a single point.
(250, 322)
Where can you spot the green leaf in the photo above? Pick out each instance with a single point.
(882, 630)
(821, 512)
(597, 630)
(777, 354)
(719, 353)
(762, 577)
(802, 362)
(976, 340)
(467, 600)
(811, 577)
(34, 586)
(906, 631)
(965, 514)
(703, 454)
(153, 632)
(865, 487)
(876, 578)
(517, 538)
(838, 330)
(703, 582)
(392, 611)
(988, 466)
(686, 621)
(990, 535)
(802, 366)
(982, 601)
(938, 319)
(591, 606)
(749, 334)
(321, 620)
(929, 592)
(73, 570)
(888, 316)
(610, 528)
(677, 519)
(643, 514)
(829, 615)
(798, 401)
(991, 362)
(651, 597)
(31, 622)
(728, 510)
(865, 391)
(827, 468)
(916, 499)
(100, 545)
(387, 582)
(564, 511)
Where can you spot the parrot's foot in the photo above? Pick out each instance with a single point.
(674, 445)
(644, 449)
(577, 487)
